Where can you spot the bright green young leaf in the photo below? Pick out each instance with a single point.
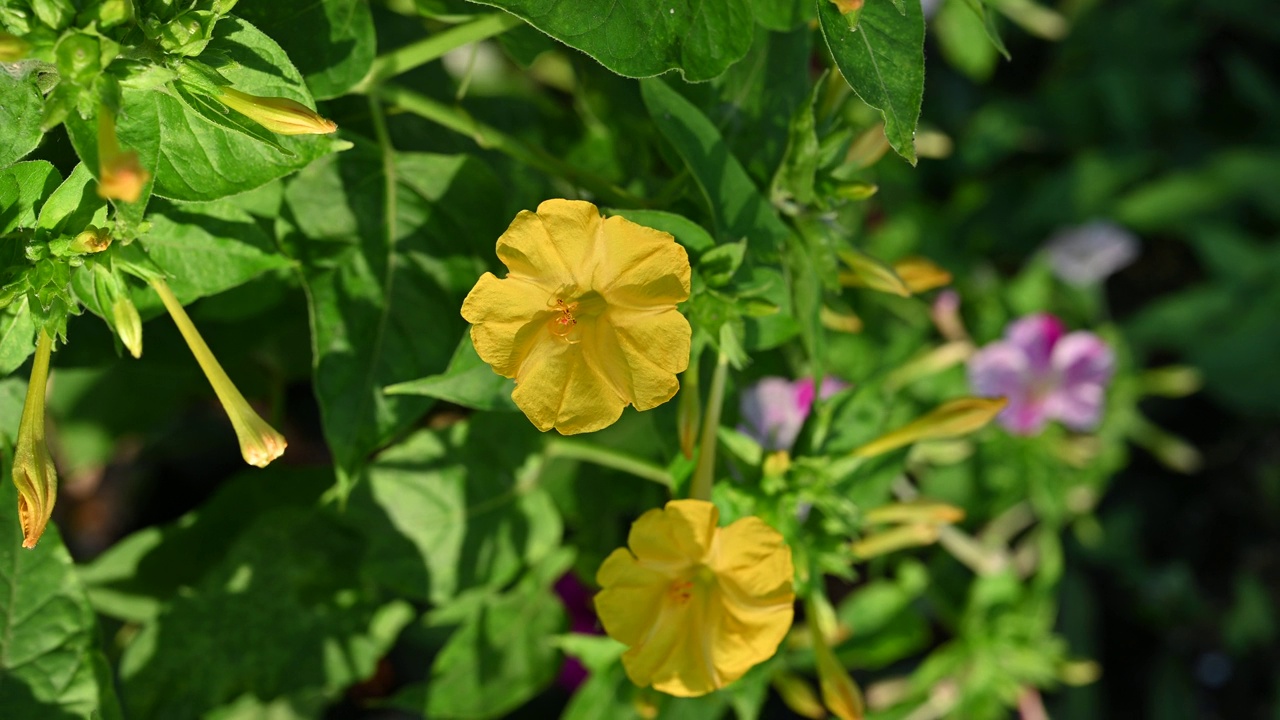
(960, 31)
(282, 615)
(453, 510)
(50, 664)
(367, 293)
(194, 158)
(74, 205)
(331, 42)
(641, 38)
(795, 176)
(24, 187)
(882, 57)
(468, 381)
(21, 108)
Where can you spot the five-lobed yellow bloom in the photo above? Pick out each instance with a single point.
(698, 604)
(586, 319)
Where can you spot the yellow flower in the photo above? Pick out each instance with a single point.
(586, 319)
(699, 605)
(277, 114)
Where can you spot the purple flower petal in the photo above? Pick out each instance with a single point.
(1002, 369)
(1084, 365)
(1090, 253)
(1036, 335)
(770, 413)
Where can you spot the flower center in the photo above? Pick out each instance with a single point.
(682, 590)
(568, 308)
(563, 323)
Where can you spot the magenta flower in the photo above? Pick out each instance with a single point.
(774, 409)
(1044, 374)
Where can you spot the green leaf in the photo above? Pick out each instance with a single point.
(468, 381)
(192, 158)
(882, 57)
(735, 202)
(368, 295)
(283, 615)
(50, 664)
(782, 15)
(138, 576)
(795, 176)
(959, 32)
(21, 108)
(17, 335)
(453, 510)
(501, 655)
(24, 187)
(332, 42)
(74, 205)
(640, 38)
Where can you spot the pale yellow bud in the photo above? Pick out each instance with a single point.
(34, 473)
(128, 324)
(894, 539)
(921, 274)
(259, 442)
(92, 240)
(866, 271)
(840, 693)
(277, 114)
(951, 419)
(916, 511)
(798, 694)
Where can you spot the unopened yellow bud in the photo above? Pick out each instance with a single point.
(931, 362)
(259, 442)
(845, 322)
(921, 274)
(839, 692)
(277, 114)
(120, 173)
(776, 464)
(128, 325)
(92, 240)
(892, 540)
(916, 511)
(33, 470)
(866, 271)
(951, 419)
(798, 695)
(868, 148)
(12, 49)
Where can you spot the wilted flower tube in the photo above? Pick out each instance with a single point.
(277, 114)
(1045, 374)
(259, 442)
(698, 604)
(33, 470)
(120, 174)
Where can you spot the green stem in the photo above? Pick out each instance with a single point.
(459, 121)
(706, 471)
(573, 450)
(417, 54)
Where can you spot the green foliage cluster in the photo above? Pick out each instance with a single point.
(405, 554)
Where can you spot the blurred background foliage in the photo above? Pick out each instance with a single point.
(436, 599)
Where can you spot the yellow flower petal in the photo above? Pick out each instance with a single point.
(507, 319)
(527, 251)
(698, 605)
(574, 228)
(557, 388)
(628, 368)
(662, 338)
(641, 266)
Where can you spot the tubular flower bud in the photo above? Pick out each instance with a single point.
(277, 114)
(920, 274)
(259, 442)
(12, 49)
(866, 271)
(33, 471)
(120, 174)
(951, 419)
(128, 324)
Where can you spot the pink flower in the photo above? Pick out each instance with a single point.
(1044, 374)
(774, 409)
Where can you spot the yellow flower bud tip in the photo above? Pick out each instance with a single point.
(261, 444)
(920, 511)
(12, 49)
(894, 539)
(866, 271)
(697, 604)
(951, 419)
(921, 274)
(277, 114)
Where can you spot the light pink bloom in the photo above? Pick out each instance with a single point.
(1044, 374)
(1091, 253)
(774, 409)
